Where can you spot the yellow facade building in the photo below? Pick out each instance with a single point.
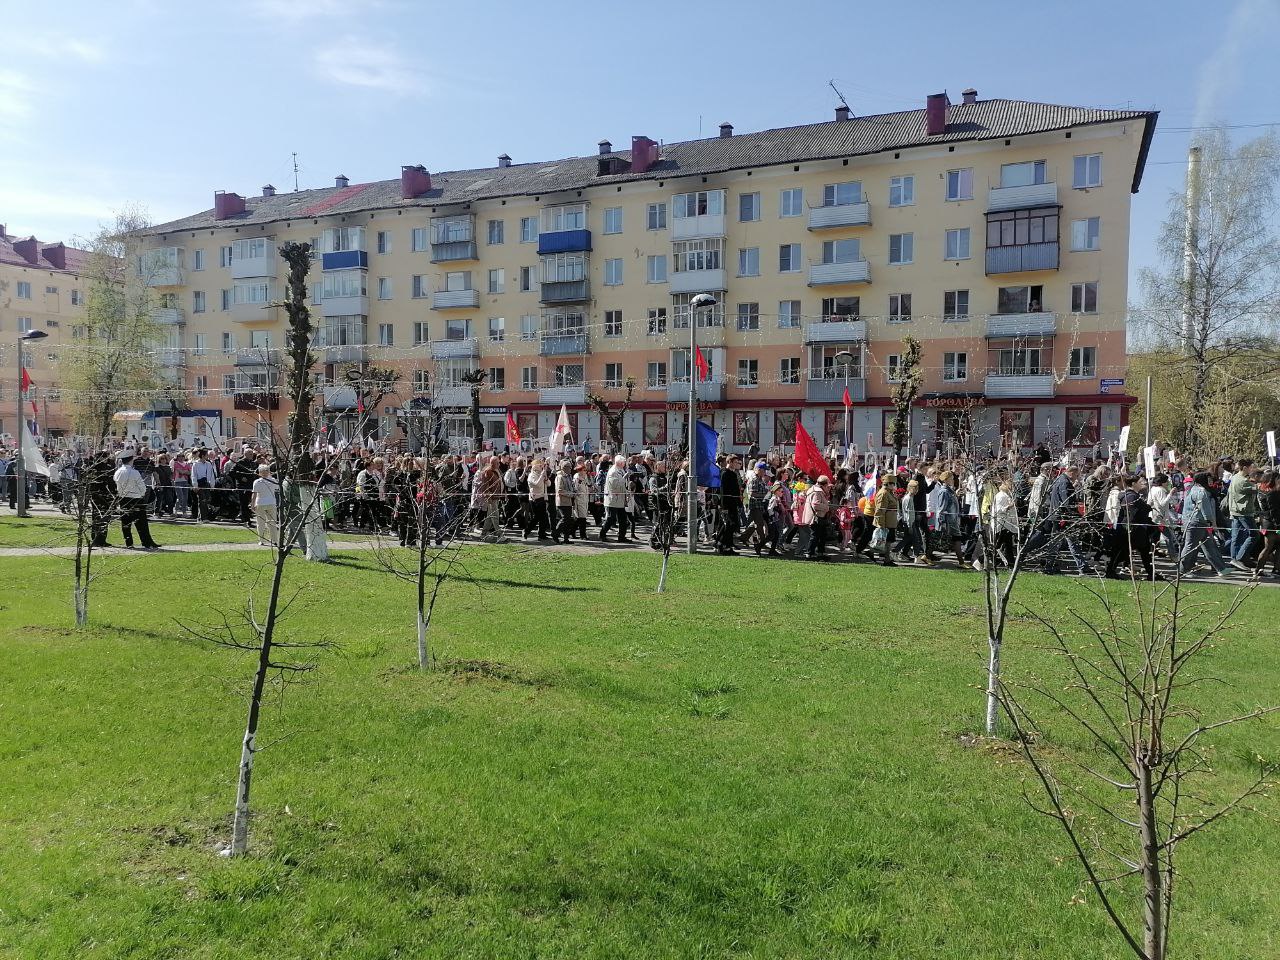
(994, 231)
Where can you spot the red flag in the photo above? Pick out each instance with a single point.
(704, 368)
(359, 404)
(808, 456)
(26, 380)
(848, 400)
(513, 432)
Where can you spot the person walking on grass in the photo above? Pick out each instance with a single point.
(264, 498)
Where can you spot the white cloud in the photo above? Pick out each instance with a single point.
(359, 63)
(1248, 25)
(62, 48)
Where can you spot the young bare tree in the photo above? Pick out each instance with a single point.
(1214, 295)
(611, 419)
(1132, 671)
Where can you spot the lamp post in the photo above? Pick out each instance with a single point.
(20, 472)
(845, 359)
(702, 300)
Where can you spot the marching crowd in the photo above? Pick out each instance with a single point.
(965, 511)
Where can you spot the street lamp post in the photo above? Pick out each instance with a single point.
(20, 472)
(845, 359)
(701, 301)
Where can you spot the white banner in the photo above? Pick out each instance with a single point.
(1124, 439)
(1149, 455)
(1271, 444)
(32, 458)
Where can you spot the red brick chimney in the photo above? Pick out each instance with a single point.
(935, 114)
(644, 154)
(226, 205)
(56, 253)
(28, 249)
(414, 181)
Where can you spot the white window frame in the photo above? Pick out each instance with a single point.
(1089, 237)
(418, 239)
(793, 254)
(384, 288)
(789, 314)
(613, 323)
(1082, 289)
(386, 335)
(495, 232)
(791, 202)
(529, 378)
(899, 308)
(1083, 363)
(1092, 171)
(656, 375)
(956, 245)
(748, 316)
(789, 371)
(383, 241)
(528, 229)
(613, 375)
(749, 204)
(656, 268)
(421, 332)
(956, 315)
(843, 194)
(612, 220)
(959, 184)
(497, 280)
(892, 363)
(748, 261)
(613, 272)
(955, 366)
(497, 329)
(748, 377)
(902, 190)
(655, 216)
(906, 248)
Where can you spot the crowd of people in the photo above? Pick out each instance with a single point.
(966, 511)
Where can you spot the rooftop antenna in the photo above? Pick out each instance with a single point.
(295, 171)
(832, 84)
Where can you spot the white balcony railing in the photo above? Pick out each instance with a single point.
(572, 394)
(690, 228)
(851, 271)
(835, 331)
(698, 281)
(1027, 195)
(842, 215)
(454, 299)
(1019, 385)
(1022, 324)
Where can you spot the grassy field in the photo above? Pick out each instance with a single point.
(43, 530)
(767, 761)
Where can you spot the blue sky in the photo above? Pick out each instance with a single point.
(159, 103)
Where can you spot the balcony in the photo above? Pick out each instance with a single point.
(455, 250)
(564, 241)
(1021, 324)
(1027, 256)
(255, 268)
(345, 260)
(256, 400)
(852, 271)
(1019, 385)
(1027, 195)
(692, 228)
(257, 357)
(455, 299)
(453, 397)
(346, 353)
(843, 215)
(831, 389)
(835, 331)
(166, 276)
(252, 312)
(466, 348)
(566, 291)
(698, 281)
(562, 344)
(169, 316)
(576, 393)
(170, 357)
(357, 306)
(708, 392)
(339, 397)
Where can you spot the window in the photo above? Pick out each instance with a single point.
(826, 361)
(901, 247)
(497, 280)
(698, 255)
(1022, 174)
(791, 202)
(386, 335)
(457, 330)
(955, 305)
(497, 329)
(960, 184)
(1015, 427)
(612, 219)
(528, 229)
(789, 370)
(841, 251)
(421, 333)
(76, 299)
(902, 191)
(383, 241)
(1087, 171)
(784, 426)
(337, 283)
(748, 316)
(1022, 361)
(899, 307)
(228, 383)
(707, 317)
(788, 313)
(789, 258)
(1084, 363)
(24, 290)
(892, 368)
(420, 286)
(613, 272)
(656, 216)
(748, 207)
(24, 325)
(224, 256)
(955, 366)
(1014, 228)
(251, 249)
(657, 321)
(957, 244)
(842, 194)
(1084, 234)
(527, 281)
(529, 327)
(1082, 426)
(656, 377)
(202, 386)
(840, 309)
(228, 342)
(613, 375)
(197, 301)
(655, 429)
(699, 204)
(1020, 299)
(197, 259)
(200, 347)
(497, 379)
(528, 378)
(656, 268)
(564, 268)
(421, 381)
(749, 262)
(1084, 297)
(565, 216)
(746, 427)
(681, 366)
(613, 323)
(384, 288)
(339, 239)
(226, 297)
(496, 229)
(567, 375)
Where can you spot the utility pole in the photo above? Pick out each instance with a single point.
(1190, 243)
(1146, 419)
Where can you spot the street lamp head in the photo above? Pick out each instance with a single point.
(702, 300)
(844, 356)
(34, 335)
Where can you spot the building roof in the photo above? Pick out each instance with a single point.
(856, 136)
(76, 259)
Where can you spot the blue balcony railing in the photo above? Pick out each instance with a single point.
(564, 241)
(345, 260)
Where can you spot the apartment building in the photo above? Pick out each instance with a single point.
(994, 231)
(42, 288)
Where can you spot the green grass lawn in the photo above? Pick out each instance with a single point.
(43, 530)
(763, 762)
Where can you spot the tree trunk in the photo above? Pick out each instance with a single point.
(993, 684)
(1152, 879)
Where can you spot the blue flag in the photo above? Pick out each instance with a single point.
(708, 443)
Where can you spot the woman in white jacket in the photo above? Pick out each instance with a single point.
(1004, 522)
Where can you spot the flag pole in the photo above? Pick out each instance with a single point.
(691, 481)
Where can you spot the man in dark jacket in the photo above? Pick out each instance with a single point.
(730, 499)
(1133, 530)
(1062, 515)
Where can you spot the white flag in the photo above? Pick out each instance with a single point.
(1149, 455)
(32, 458)
(560, 433)
(1271, 444)
(1124, 439)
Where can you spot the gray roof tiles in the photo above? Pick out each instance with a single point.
(981, 120)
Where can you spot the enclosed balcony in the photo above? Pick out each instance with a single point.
(1022, 324)
(351, 306)
(851, 271)
(345, 260)
(253, 261)
(835, 331)
(708, 392)
(347, 353)
(171, 357)
(565, 291)
(831, 389)
(1023, 195)
(455, 299)
(169, 316)
(449, 252)
(563, 344)
(257, 357)
(453, 238)
(1019, 385)
(252, 312)
(163, 267)
(453, 396)
(840, 215)
(564, 241)
(465, 348)
(1023, 257)
(698, 281)
(573, 394)
(698, 226)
